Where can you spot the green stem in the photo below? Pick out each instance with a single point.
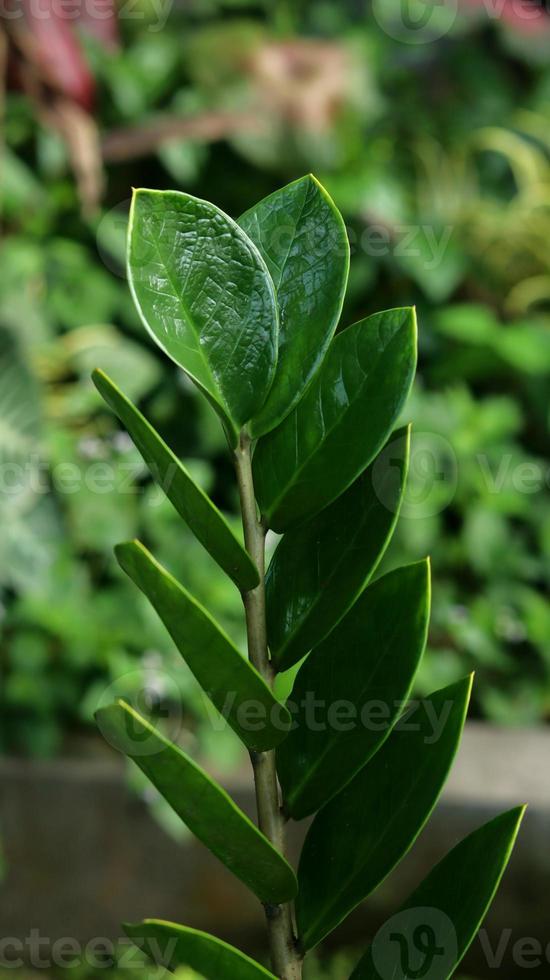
(286, 961)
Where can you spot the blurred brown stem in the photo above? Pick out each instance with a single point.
(131, 142)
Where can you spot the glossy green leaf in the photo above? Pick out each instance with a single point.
(302, 237)
(351, 689)
(436, 926)
(172, 946)
(357, 839)
(203, 806)
(204, 294)
(320, 568)
(231, 682)
(342, 421)
(191, 502)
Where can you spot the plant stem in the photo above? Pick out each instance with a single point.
(286, 961)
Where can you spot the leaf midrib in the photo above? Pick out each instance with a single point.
(214, 390)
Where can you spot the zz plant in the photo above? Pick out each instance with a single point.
(249, 310)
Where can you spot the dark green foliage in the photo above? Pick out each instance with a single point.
(191, 503)
(209, 304)
(320, 568)
(302, 237)
(459, 890)
(358, 838)
(175, 945)
(201, 803)
(214, 660)
(331, 474)
(359, 677)
(315, 454)
(435, 219)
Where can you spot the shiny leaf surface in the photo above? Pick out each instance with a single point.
(203, 806)
(357, 839)
(320, 568)
(231, 682)
(447, 909)
(204, 294)
(342, 421)
(172, 946)
(191, 502)
(302, 237)
(351, 689)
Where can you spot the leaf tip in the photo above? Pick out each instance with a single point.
(414, 326)
(129, 926)
(468, 684)
(125, 545)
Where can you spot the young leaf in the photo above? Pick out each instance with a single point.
(357, 839)
(203, 805)
(302, 237)
(320, 568)
(350, 691)
(231, 682)
(204, 293)
(203, 517)
(172, 946)
(342, 421)
(447, 909)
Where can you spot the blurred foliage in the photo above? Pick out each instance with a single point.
(133, 965)
(439, 156)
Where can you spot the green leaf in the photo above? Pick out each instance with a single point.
(203, 517)
(447, 909)
(342, 421)
(302, 237)
(203, 806)
(204, 294)
(231, 682)
(351, 689)
(172, 946)
(320, 568)
(362, 834)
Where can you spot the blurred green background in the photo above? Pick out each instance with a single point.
(435, 144)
